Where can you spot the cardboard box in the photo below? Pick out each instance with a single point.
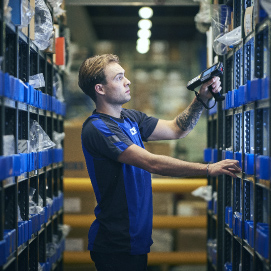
(191, 240)
(82, 202)
(248, 20)
(75, 165)
(161, 148)
(162, 203)
(30, 32)
(77, 240)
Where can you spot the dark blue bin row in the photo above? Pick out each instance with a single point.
(213, 110)
(226, 154)
(228, 216)
(17, 164)
(228, 266)
(253, 90)
(249, 232)
(210, 155)
(57, 202)
(237, 224)
(262, 239)
(27, 228)
(54, 258)
(13, 88)
(263, 163)
(212, 250)
(7, 245)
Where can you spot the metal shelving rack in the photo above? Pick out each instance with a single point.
(239, 215)
(37, 241)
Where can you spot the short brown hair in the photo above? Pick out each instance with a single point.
(91, 72)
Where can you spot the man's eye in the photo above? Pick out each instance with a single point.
(120, 78)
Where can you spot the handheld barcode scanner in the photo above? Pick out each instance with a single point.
(215, 70)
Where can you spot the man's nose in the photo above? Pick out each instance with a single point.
(128, 82)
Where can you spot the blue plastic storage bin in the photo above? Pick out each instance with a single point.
(6, 167)
(249, 163)
(265, 88)
(228, 266)
(263, 167)
(3, 258)
(207, 155)
(262, 239)
(238, 156)
(10, 239)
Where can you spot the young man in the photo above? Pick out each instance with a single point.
(120, 168)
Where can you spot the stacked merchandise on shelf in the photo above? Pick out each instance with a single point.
(32, 110)
(239, 128)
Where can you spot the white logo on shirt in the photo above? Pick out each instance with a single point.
(133, 131)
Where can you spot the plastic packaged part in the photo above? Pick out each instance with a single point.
(58, 87)
(27, 12)
(57, 138)
(39, 140)
(203, 17)
(19, 214)
(40, 268)
(220, 22)
(23, 145)
(204, 192)
(34, 208)
(7, 11)
(8, 144)
(266, 4)
(231, 38)
(65, 229)
(56, 4)
(50, 249)
(49, 201)
(43, 25)
(37, 80)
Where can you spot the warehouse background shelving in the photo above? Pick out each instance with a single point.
(239, 128)
(29, 239)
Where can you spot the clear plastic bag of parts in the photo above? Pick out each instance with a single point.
(220, 22)
(231, 38)
(39, 140)
(203, 17)
(7, 11)
(56, 4)
(204, 192)
(27, 12)
(35, 208)
(266, 4)
(37, 80)
(43, 25)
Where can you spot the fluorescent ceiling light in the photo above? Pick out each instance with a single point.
(145, 24)
(145, 13)
(144, 33)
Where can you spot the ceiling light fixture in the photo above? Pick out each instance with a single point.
(145, 12)
(145, 24)
(144, 33)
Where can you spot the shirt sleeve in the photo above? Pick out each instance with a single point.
(146, 123)
(102, 141)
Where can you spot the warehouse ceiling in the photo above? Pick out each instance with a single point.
(91, 20)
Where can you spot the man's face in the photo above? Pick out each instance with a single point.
(117, 89)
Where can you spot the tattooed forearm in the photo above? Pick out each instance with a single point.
(188, 119)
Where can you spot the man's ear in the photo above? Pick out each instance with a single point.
(99, 89)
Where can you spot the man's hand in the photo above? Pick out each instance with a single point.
(205, 94)
(228, 166)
